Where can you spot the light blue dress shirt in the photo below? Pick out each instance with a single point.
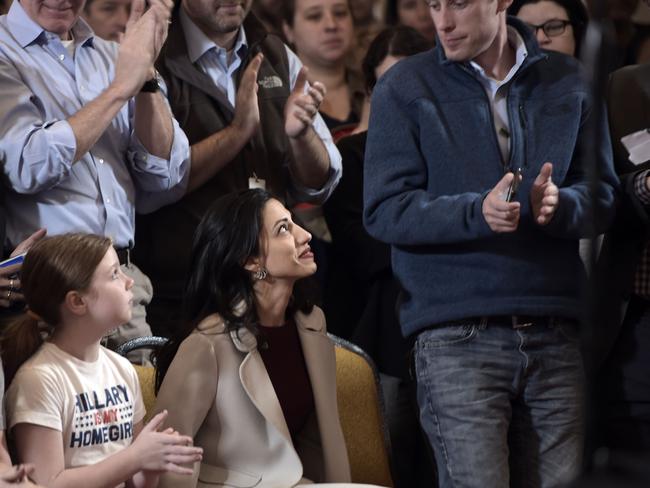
(213, 61)
(41, 86)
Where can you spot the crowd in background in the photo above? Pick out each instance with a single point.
(94, 140)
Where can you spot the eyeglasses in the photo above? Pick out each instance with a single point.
(552, 28)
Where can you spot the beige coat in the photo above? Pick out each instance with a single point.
(218, 391)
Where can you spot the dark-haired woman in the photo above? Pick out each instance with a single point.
(559, 25)
(251, 374)
(411, 13)
(389, 46)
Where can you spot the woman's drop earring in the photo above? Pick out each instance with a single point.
(260, 274)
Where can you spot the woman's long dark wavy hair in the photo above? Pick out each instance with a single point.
(227, 236)
(397, 40)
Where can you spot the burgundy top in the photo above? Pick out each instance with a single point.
(285, 364)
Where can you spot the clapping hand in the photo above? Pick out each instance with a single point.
(146, 31)
(165, 451)
(501, 215)
(544, 196)
(9, 281)
(302, 105)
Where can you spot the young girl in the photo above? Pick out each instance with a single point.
(74, 407)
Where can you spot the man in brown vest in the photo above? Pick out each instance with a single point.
(243, 100)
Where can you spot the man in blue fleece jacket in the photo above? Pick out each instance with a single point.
(491, 288)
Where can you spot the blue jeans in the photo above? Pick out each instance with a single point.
(501, 406)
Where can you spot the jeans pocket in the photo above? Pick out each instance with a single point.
(446, 335)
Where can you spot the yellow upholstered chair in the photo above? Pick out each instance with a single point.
(360, 403)
(361, 410)
(146, 373)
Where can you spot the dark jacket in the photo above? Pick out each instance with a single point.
(361, 296)
(628, 101)
(431, 158)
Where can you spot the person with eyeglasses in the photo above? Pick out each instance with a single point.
(559, 25)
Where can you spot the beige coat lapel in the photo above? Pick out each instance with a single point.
(321, 368)
(257, 384)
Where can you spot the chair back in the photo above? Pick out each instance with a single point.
(361, 411)
(359, 398)
(146, 373)
(146, 376)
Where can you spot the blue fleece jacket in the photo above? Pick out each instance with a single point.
(431, 158)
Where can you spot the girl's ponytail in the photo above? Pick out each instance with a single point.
(19, 341)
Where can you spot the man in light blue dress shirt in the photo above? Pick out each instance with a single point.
(85, 136)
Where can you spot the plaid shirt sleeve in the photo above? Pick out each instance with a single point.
(640, 187)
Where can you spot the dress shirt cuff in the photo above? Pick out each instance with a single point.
(60, 134)
(304, 194)
(43, 160)
(174, 173)
(640, 187)
(156, 174)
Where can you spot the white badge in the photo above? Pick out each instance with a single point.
(255, 182)
(638, 145)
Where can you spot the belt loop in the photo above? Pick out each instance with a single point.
(128, 257)
(483, 323)
(411, 362)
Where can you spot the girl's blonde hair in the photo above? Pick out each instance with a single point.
(53, 267)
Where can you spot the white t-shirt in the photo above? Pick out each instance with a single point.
(93, 404)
